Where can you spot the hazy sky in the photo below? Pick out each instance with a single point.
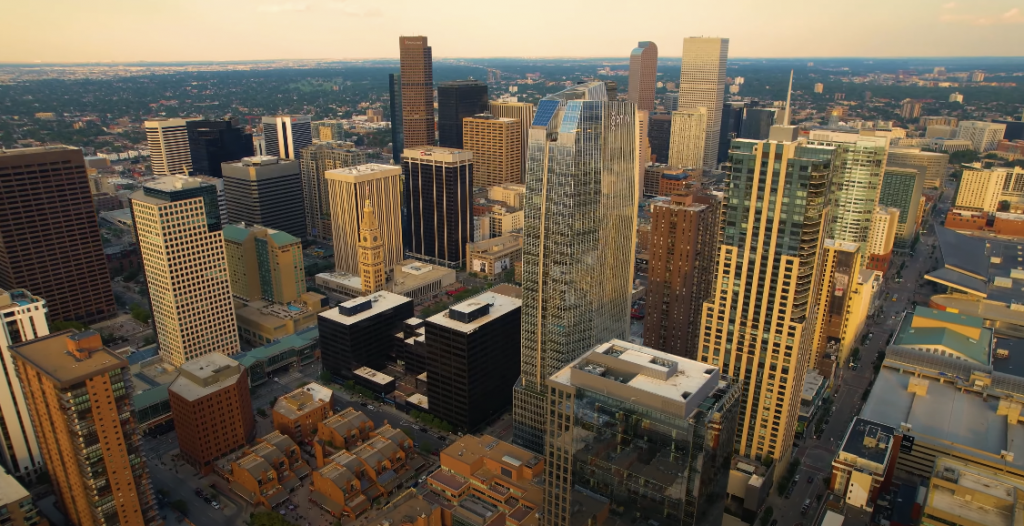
(171, 30)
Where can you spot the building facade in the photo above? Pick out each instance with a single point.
(439, 193)
(659, 136)
(686, 148)
(264, 263)
(265, 191)
(520, 111)
(984, 189)
(496, 143)
(167, 140)
(314, 162)
(702, 85)
(214, 142)
(881, 238)
(17, 505)
(360, 332)
(643, 75)
(395, 107)
(371, 253)
(901, 189)
(934, 163)
(298, 413)
(349, 189)
(417, 78)
(457, 100)
(24, 318)
(983, 136)
(285, 136)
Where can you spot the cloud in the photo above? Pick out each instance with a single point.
(281, 8)
(1013, 16)
(355, 8)
(1013, 13)
(950, 5)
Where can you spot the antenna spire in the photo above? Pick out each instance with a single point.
(789, 97)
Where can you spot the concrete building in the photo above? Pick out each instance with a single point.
(24, 319)
(496, 143)
(983, 136)
(327, 130)
(457, 100)
(901, 189)
(410, 278)
(594, 448)
(681, 270)
(286, 135)
(522, 112)
(984, 189)
(264, 264)
(495, 256)
(865, 463)
(848, 291)
(963, 493)
(298, 413)
(189, 286)
(911, 109)
(942, 132)
(750, 484)
(350, 189)
(314, 162)
(265, 191)
(643, 75)
(659, 137)
(212, 410)
(80, 393)
(263, 322)
(934, 163)
(360, 332)
(167, 140)
(702, 85)
(686, 148)
(16, 503)
(510, 194)
(438, 192)
(819, 87)
(417, 79)
(881, 238)
(301, 348)
(944, 333)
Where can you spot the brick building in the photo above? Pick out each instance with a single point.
(298, 413)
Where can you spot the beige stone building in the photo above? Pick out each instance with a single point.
(314, 162)
(933, 163)
(686, 146)
(495, 256)
(496, 143)
(982, 189)
(349, 190)
(262, 322)
(520, 111)
(264, 263)
(847, 294)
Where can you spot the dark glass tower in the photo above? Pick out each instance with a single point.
(457, 100)
(732, 123)
(659, 134)
(757, 124)
(211, 143)
(438, 193)
(397, 137)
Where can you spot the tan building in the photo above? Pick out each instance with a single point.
(410, 278)
(417, 69)
(350, 189)
(496, 143)
(495, 256)
(982, 189)
(81, 393)
(881, 238)
(167, 140)
(298, 413)
(496, 220)
(264, 263)
(643, 75)
(371, 253)
(508, 193)
(702, 85)
(847, 293)
(314, 162)
(212, 410)
(520, 111)
(971, 495)
(186, 269)
(266, 473)
(934, 163)
(263, 322)
(686, 146)
(863, 463)
(16, 503)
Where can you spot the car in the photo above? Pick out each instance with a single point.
(827, 421)
(199, 493)
(423, 478)
(370, 407)
(805, 507)
(215, 504)
(362, 404)
(207, 500)
(421, 429)
(337, 409)
(810, 479)
(416, 445)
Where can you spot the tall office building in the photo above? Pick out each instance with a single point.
(578, 238)
(910, 109)
(933, 163)
(266, 191)
(760, 327)
(179, 231)
(522, 112)
(417, 77)
(659, 136)
(1014, 129)
(901, 189)
(983, 136)
(264, 263)
(24, 319)
(314, 162)
(757, 123)
(371, 253)
(841, 310)
(681, 270)
(167, 140)
(349, 190)
(395, 108)
(286, 135)
(689, 129)
(327, 130)
(439, 192)
(496, 144)
(361, 333)
(457, 100)
(732, 123)
(702, 85)
(882, 238)
(643, 75)
(49, 235)
(212, 143)
(79, 396)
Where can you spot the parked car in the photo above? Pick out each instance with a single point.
(215, 504)
(810, 479)
(370, 407)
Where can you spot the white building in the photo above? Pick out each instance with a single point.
(686, 144)
(168, 146)
(983, 136)
(24, 318)
(285, 135)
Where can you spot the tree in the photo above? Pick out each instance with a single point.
(268, 518)
(140, 314)
(148, 340)
(262, 412)
(963, 157)
(180, 506)
(65, 325)
(325, 376)
(767, 515)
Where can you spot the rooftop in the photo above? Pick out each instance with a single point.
(378, 302)
(302, 400)
(205, 375)
(842, 245)
(498, 245)
(473, 313)
(999, 506)
(292, 341)
(363, 172)
(981, 268)
(268, 313)
(10, 490)
(16, 298)
(437, 154)
(238, 233)
(51, 356)
(869, 440)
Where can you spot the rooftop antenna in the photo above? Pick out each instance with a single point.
(789, 96)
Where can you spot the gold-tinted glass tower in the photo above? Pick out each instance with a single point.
(496, 143)
(643, 75)
(371, 252)
(417, 91)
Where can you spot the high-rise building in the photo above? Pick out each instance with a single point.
(314, 162)
(417, 77)
(18, 504)
(843, 302)
(768, 276)
(328, 130)
(286, 135)
(371, 253)
(212, 410)
(496, 144)
(881, 238)
(686, 148)
(1014, 129)
(439, 192)
(579, 233)
(702, 85)
(681, 270)
(911, 109)
(222, 201)
(982, 189)
(732, 122)
(79, 395)
(643, 75)
(349, 190)
(934, 163)
(659, 136)
(457, 100)
(179, 231)
(266, 191)
(264, 263)
(395, 108)
(983, 136)
(671, 100)
(24, 318)
(618, 426)
(212, 143)
(361, 332)
(901, 189)
(49, 235)
(522, 112)
(167, 140)
(757, 123)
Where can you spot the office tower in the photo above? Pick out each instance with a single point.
(933, 163)
(702, 85)
(19, 509)
(417, 77)
(395, 108)
(819, 87)
(473, 359)
(286, 135)
(179, 231)
(579, 234)
(689, 129)
(611, 89)
(618, 432)
(328, 130)
(24, 318)
(982, 189)
(768, 275)
(659, 136)
(439, 193)
(371, 253)
(643, 153)
(681, 270)
(1014, 129)
(266, 191)
(522, 112)
(457, 100)
(264, 263)
(361, 332)
(496, 144)
(732, 122)
(911, 109)
(349, 190)
(49, 235)
(881, 238)
(671, 101)
(983, 136)
(212, 143)
(643, 75)
(956, 97)
(757, 123)
(212, 410)
(841, 312)
(79, 396)
(259, 145)
(314, 162)
(222, 201)
(942, 132)
(901, 189)
(167, 140)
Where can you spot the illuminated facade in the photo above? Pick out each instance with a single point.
(314, 162)
(643, 75)
(702, 85)
(686, 147)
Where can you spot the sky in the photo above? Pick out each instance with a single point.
(200, 30)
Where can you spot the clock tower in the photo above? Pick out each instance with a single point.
(371, 252)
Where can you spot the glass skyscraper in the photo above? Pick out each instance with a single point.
(579, 233)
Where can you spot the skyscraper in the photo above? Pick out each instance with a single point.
(522, 112)
(167, 140)
(266, 191)
(349, 190)
(579, 232)
(371, 253)
(286, 135)
(732, 121)
(643, 75)
(178, 226)
(495, 143)
(314, 162)
(689, 130)
(757, 123)
(417, 77)
(395, 108)
(901, 189)
(933, 163)
(212, 143)
(439, 192)
(659, 136)
(760, 327)
(24, 319)
(49, 234)
(457, 100)
(264, 263)
(702, 85)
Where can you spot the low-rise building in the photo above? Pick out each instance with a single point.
(265, 473)
(262, 322)
(411, 279)
(301, 348)
(865, 463)
(944, 333)
(298, 413)
(962, 493)
(340, 432)
(750, 484)
(16, 505)
(495, 256)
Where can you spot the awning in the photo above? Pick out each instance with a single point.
(277, 498)
(326, 503)
(241, 490)
(302, 470)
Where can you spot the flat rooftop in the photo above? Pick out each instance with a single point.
(380, 302)
(496, 305)
(842, 245)
(871, 441)
(10, 490)
(50, 355)
(363, 172)
(302, 400)
(980, 268)
(497, 246)
(205, 375)
(999, 509)
(17, 298)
